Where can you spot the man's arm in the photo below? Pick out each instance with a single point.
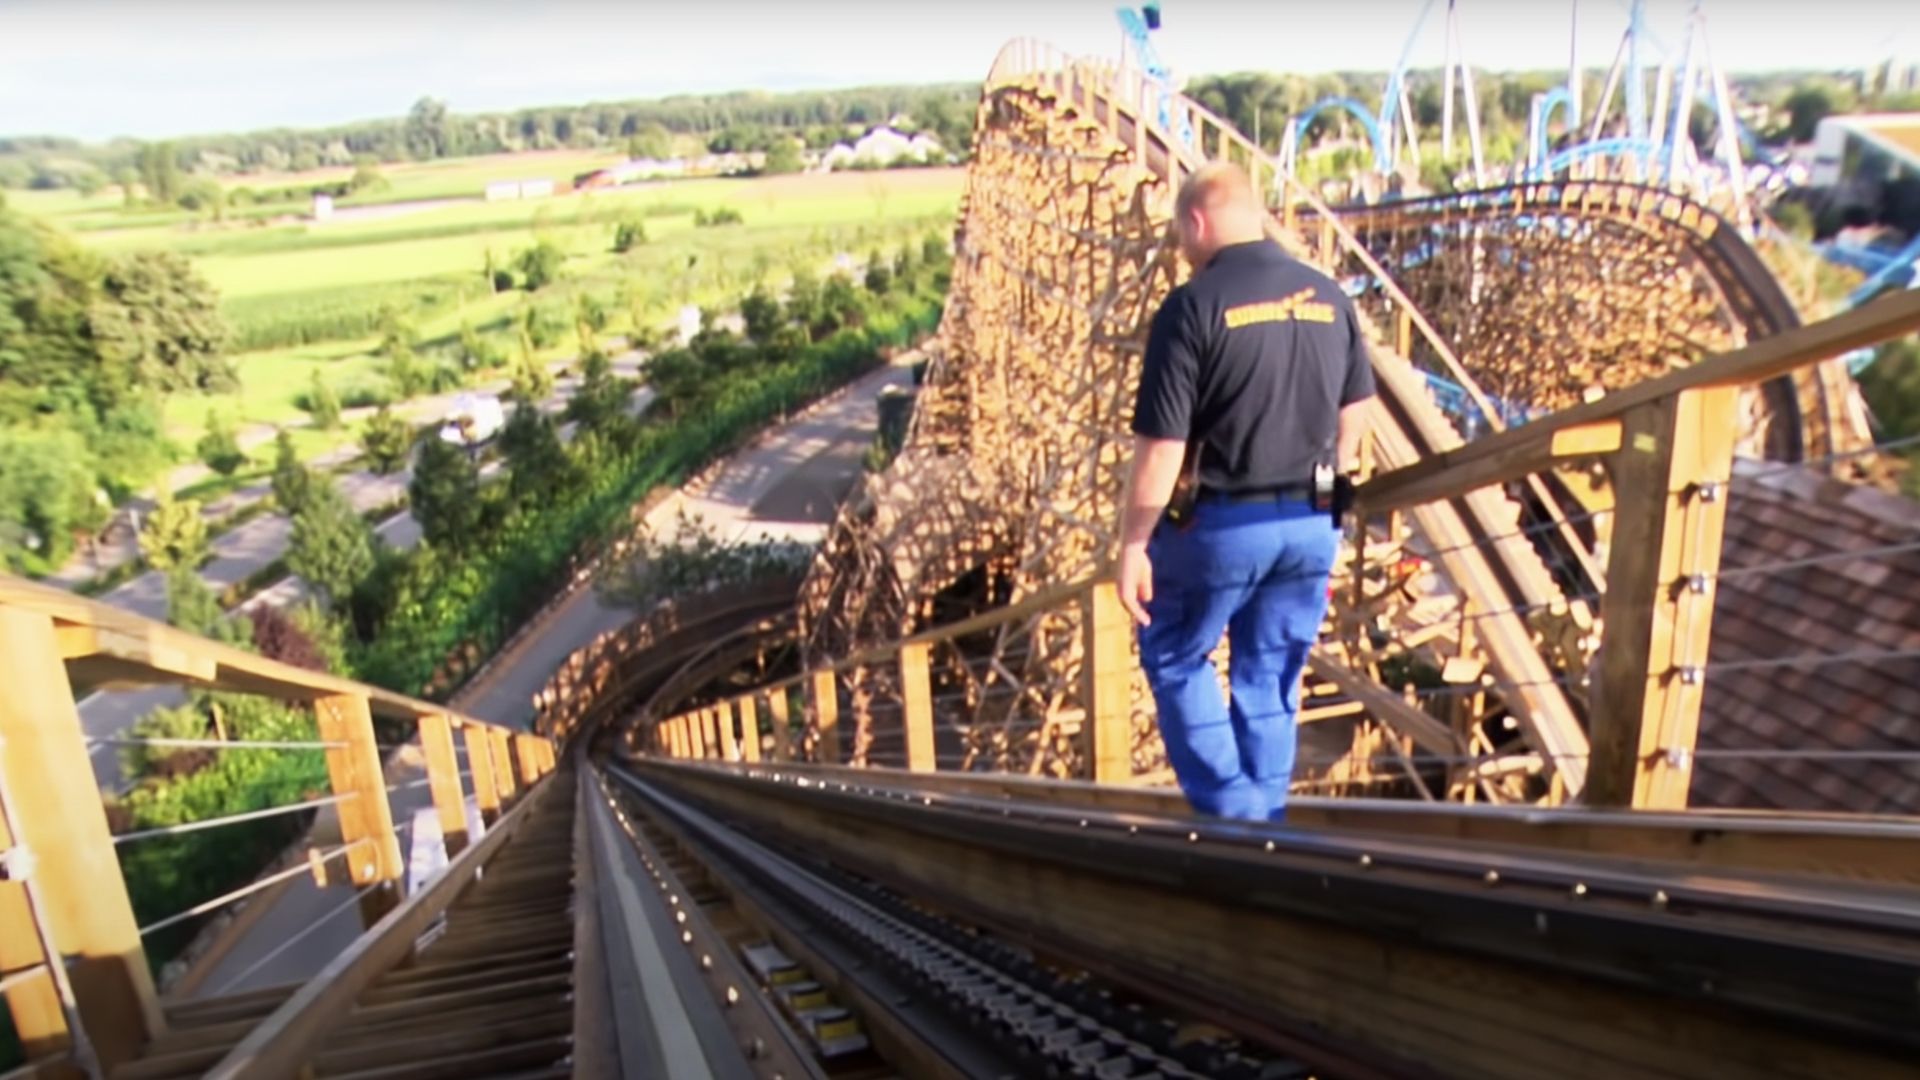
(1356, 395)
(1156, 469)
(1353, 428)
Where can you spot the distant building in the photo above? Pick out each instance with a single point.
(881, 147)
(322, 206)
(1868, 168)
(509, 190)
(631, 172)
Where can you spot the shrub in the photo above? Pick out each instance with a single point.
(723, 215)
(629, 235)
(321, 404)
(386, 440)
(175, 534)
(219, 449)
(539, 265)
(292, 481)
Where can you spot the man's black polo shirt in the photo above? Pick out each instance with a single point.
(1252, 358)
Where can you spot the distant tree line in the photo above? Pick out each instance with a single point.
(723, 122)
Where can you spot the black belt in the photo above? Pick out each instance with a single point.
(1269, 493)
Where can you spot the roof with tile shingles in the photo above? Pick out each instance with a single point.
(1780, 513)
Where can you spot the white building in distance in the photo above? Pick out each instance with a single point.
(881, 147)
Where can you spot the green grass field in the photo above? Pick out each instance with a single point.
(325, 284)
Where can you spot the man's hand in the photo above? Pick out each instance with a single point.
(1136, 582)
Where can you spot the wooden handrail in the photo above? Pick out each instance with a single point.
(1581, 430)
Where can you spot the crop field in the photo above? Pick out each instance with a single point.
(306, 297)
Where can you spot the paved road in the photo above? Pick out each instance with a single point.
(773, 486)
(255, 545)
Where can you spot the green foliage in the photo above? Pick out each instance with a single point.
(159, 172)
(762, 315)
(537, 463)
(629, 235)
(601, 397)
(322, 405)
(1892, 389)
(219, 448)
(175, 534)
(783, 156)
(691, 558)
(476, 353)
(340, 313)
(1806, 107)
(385, 440)
(332, 547)
(292, 481)
(47, 495)
(194, 607)
(532, 382)
(652, 141)
(879, 277)
(157, 324)
(724, 215)
(444, 494)
(539, 265)
(1794, 218)
(439, 602)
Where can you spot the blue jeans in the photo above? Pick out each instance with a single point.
(1258, 571)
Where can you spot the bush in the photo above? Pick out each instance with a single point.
(219, 449)
(539, 265)
(175, 534)
(629, 235)
(321, 404)
(386, 440)
(724, 215)
(332, 546)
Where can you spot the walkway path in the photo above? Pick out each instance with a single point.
(806, 454)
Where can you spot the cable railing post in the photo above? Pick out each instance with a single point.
(825, 704)
(1670, 482)
(366, 820)
(777, 717)
(525, 755)
(443, 779)
(502, 753)
(916, 706)
(80, 900)
(749, 729)
(1107, 675)
(486, 791)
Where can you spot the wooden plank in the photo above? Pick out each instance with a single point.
(502, 765)
(777, 716)
(1512, 454)
(825, 703)
(1601, 437)
(723, 722)
(54, 810)
(366, 819)
(1107, 681)
(749, 729)
(526, 756)
(486, 790)
(916, 700)
(1665, 532)
(443, 780)
(289, 1036)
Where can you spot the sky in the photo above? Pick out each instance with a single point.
(152, 68)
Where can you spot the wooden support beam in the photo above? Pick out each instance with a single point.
(497, 745)
(777, 706)
(749, 729)
(1670, 509)
(824, 690)
(54, 811)
(443, 779)
(1107, 678)
(486, 790)
(916, 701)
(366, 819)
(723, 721)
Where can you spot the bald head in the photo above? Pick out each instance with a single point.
(1216, 208)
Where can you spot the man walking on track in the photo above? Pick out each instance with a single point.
(1254, 386)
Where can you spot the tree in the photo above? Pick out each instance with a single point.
(386, 440)
(762, 315)
(445, 493)
(278, 637)
(404, 371)
(532, 382)
(175, 534)
(219, 449)
(805, 301)
(332, 547)
(47, 494)
(292, 481)
(159, 172)
(879, 279)
(193, 607)
(652, 141)
(323, 405)
(601, 397)
(1806, 107)
(428, 133)
(476, 353)
(539, 464)
(842, 302)
(156, 323)
(783, 156)
(539, 265)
